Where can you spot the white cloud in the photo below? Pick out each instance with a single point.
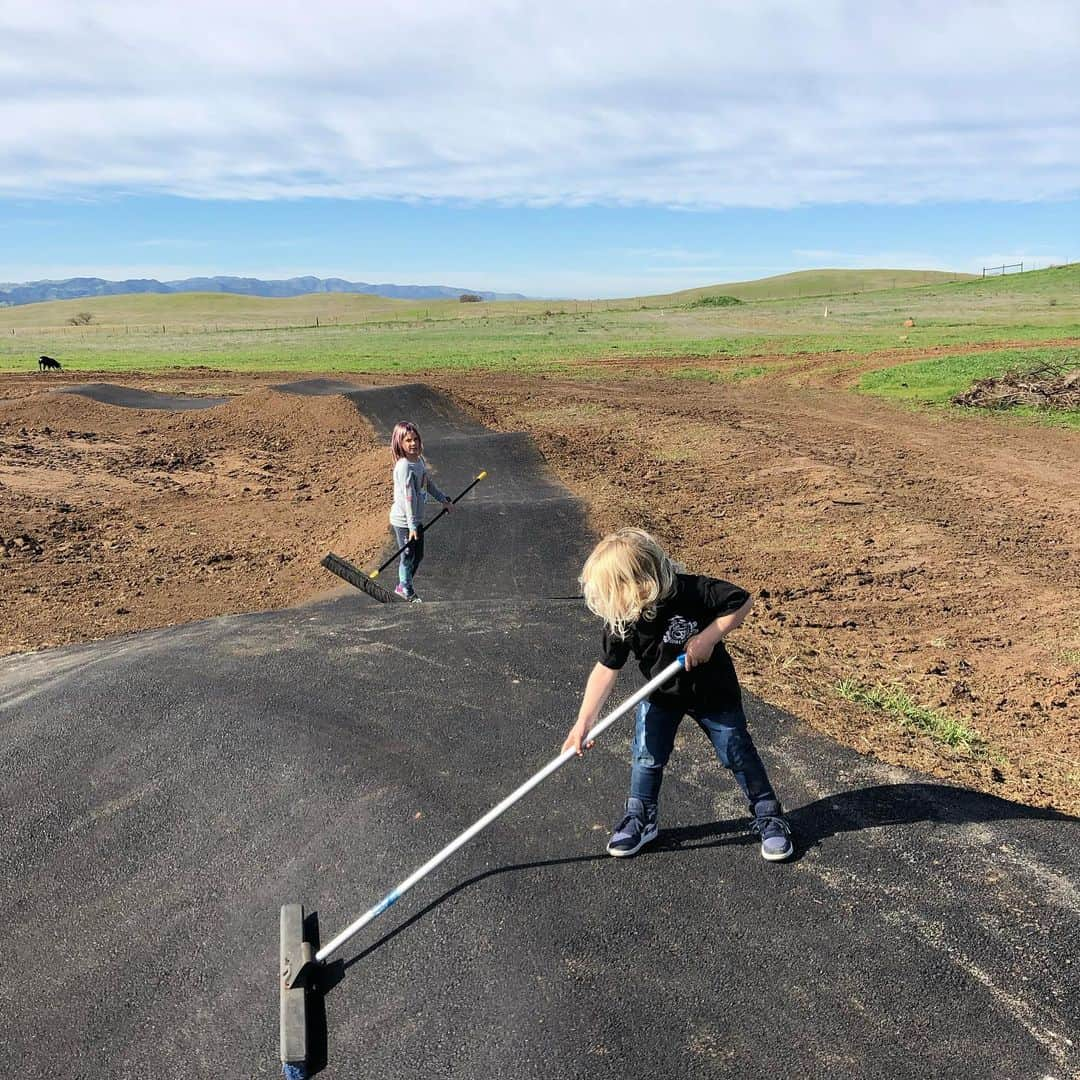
(869, 260)
(703, 103)
(851, 260)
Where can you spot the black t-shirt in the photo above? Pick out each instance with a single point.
(694, 604)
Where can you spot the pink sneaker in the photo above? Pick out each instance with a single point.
(402, 592)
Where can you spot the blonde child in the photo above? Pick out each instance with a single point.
(412, 487)
(655, 612)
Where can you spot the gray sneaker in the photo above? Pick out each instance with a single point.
(637, 827)
(771, 825)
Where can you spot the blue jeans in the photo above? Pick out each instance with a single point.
(411, 556)
(654, 736)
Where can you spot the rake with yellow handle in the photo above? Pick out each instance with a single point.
(347, 572)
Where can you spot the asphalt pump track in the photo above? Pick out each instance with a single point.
(165, 793)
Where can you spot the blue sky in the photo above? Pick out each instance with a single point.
(566, 150)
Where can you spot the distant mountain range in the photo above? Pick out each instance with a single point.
(34, 292)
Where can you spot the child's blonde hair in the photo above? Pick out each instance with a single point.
(625, 577)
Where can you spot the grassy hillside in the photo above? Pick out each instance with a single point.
(363, 333)
(228, 310)
(200, 310)
(815, 283)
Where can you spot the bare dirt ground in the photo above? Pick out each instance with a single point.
(115, 519)
(928, 551)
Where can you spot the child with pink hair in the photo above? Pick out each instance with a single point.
(412, 487)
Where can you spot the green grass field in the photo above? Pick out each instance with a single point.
(847, 312)
(934, 382)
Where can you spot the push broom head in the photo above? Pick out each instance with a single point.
(345, 570)
(296, 969)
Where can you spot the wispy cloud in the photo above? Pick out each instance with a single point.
(709, 103)
(863, 260)
(28, 223)
(61, 271)
(673, 254)
(851, 260)
(172, 243)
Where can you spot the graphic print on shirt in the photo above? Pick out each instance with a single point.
(680, 631)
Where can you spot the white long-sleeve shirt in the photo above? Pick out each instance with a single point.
(412, 485)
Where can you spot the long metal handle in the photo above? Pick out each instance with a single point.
(376, 573)
(394, 895)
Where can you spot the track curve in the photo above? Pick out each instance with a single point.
(168, 791)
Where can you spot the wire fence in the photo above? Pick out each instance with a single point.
(1025, 267)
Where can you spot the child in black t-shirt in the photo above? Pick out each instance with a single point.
(653, 611)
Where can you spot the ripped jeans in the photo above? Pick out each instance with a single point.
(411, 556)
(654, 737)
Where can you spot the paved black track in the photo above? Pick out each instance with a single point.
(167, 792)
(129, 397)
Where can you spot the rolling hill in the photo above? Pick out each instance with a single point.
(36, 292)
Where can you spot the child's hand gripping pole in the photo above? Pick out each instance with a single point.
(478, 478)
(394, 895)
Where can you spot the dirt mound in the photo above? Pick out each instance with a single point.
(121, 519)
(1051, 386)
(62, 412)
(267, 407)
(277, 422)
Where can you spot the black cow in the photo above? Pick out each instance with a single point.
(47, 363)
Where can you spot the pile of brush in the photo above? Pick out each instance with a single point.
(1051, 386)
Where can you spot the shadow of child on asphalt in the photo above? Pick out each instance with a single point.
(881, 806)
(877, 807)
(906, 804)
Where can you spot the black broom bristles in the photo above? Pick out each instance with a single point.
(347, 572)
